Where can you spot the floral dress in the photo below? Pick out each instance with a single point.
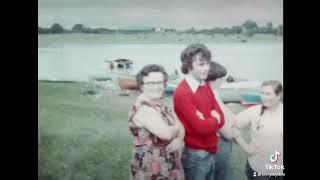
(150, 159)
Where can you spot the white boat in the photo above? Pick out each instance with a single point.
(241, 85)
(244, 92)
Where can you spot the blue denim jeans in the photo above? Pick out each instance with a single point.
(223, 168)
(198, 164)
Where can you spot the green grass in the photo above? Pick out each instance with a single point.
(87, 138)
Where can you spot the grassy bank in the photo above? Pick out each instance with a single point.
(87, 138)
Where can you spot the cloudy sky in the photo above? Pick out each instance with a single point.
(180, 14)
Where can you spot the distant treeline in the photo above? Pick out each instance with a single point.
(248, 28)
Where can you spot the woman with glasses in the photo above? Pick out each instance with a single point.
(265, 150)
(157, 133)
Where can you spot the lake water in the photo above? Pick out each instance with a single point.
(253, 61)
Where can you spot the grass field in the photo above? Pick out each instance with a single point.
(87, 138)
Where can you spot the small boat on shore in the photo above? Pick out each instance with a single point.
(243, 92)
(122, 71)
(241, 85)
(244, 97)
(250, 98)
(170, 88)
(129, 83)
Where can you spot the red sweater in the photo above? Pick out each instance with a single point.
(200, 133)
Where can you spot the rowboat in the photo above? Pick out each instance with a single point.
(244, 92)
(129, 83)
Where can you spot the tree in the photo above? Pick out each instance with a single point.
(78, 28)
(236, 29)
(206, 31)
(270, 29)
(217, 30)
(262, 30)
(280, 29)
(250, 32)
(226, 31)
(86, 30)
(96, 31)
(251, 27)
(43, 30)
(269, 26)
(275, 31)
(191, 30)
(249, 24)
(56, 28)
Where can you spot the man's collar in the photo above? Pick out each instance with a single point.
(193, 83)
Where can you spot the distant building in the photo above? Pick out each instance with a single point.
(164, 30)
(159, 30)
(169, 30)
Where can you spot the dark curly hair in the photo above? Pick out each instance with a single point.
(216, 71)
(189, 53)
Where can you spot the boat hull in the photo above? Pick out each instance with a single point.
(128, 84)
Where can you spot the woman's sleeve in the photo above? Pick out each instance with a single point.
(226, 130)
(150, 119)
(182, 132)
(244, 118)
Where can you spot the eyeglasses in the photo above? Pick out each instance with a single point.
(153, 83)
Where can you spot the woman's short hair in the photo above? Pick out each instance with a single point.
(216, 71)
(276, 85)
(189, 53)
(150, 68)
(277, 88)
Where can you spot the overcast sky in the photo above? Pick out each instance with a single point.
(179, 14)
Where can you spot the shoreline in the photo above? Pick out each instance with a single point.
(46, 40)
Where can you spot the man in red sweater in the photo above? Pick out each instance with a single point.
(200, 114)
